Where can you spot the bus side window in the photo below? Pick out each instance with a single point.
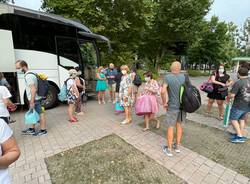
(68, 51)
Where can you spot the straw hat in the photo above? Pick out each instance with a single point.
(72, 72)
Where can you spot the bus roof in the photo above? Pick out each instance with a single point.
(11, 9)
(241, 59)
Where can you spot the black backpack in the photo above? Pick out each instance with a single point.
(42, 86)
(137, 81)
(190, 98)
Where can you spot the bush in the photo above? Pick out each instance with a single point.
(197, 73)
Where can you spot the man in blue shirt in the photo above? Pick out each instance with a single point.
(111, 73)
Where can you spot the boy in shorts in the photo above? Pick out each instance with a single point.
(241, 105)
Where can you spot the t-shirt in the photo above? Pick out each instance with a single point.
(222, 79)
(5, 134)
(241, 89)
(70, 83)
(111, 76)
(4, 94)
(30, 79)
(174, 82)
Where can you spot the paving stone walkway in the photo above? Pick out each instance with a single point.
(98, 122)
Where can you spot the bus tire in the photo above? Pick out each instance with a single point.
(51, 99)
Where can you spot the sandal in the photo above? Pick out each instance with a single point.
(145, 129)
(158, 124)
(126, 122)
(73, 120)
(221, 118)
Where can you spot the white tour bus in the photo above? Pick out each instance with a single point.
(50, 44)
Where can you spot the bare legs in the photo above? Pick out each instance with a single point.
(128, 116)
(237, 127)
(220, 107)
(101, 97)
(209, 105)
(42, 121)
(112, 95)
(170, 135)
(148, 118)
(71, 110)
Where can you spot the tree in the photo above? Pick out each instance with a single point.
(122, 21)
(245, 39)
(215, 43)
(174, 26)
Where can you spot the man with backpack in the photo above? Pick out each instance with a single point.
(31, 88)
(171, 101)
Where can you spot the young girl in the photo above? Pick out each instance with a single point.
(101, 85)
(72, 95)
(150, 91)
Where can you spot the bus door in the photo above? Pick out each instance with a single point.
(68, 55)
(90, 63)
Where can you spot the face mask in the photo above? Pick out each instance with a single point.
(19, 71)
(124, 72)
(221, 70)
(147, 79)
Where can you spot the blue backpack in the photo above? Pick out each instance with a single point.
(62, 96)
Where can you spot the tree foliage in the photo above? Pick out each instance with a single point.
(154, 31)
(122, 21)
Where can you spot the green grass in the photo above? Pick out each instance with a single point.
(214, 144)
(214, 112)
(108, 160)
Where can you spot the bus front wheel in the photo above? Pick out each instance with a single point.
(51, 99)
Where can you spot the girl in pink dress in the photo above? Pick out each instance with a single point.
(149, 93)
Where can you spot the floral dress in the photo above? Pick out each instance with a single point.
(126, 99)
(151, 88)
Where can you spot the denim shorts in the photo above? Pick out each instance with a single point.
(38, 106)
(237, 114)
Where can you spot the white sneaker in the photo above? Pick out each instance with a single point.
(110, 101)
(176, 148)
(114, 102)
(167, 151)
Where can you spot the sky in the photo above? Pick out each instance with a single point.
(236, 11)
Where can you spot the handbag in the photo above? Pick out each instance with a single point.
(119, 108)
(143, 105)
(207, 86)
(11, 107)
(31, 117)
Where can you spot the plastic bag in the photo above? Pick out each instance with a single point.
(119, 108)
(31, 117)
(143, 105)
